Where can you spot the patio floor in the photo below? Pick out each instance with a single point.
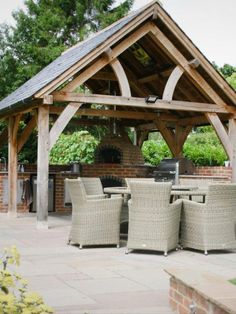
(100, 280)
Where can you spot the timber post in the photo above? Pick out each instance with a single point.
(42, 167)
(12, 165)
(232, 136)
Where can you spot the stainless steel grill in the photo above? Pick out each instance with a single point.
(170, 169)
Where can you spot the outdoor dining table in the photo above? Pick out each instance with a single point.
(176, 191)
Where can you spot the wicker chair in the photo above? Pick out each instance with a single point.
(128, 180)
(94, 222)
(153, 221)
(93, 187)
(210, 226)
(125, 209)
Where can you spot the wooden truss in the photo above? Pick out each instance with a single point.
(158, 115)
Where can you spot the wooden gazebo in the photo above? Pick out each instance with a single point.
(144, 54)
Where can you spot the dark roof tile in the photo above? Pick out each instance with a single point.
(62, 63)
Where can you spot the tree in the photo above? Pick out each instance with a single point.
(41, 34)
(228, 72)
(45, 30)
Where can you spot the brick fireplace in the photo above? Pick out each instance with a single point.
(115, 159)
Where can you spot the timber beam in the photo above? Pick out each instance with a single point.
(119, 114)
(137, 102)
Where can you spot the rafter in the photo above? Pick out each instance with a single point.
(195, 52)
(178, 58)
(102, 61)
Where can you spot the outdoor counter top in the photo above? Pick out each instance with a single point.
(197, 176)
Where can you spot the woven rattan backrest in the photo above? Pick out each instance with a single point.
(128, 180)
(93, 186)
(76, 190)
(150, 195)
(221, 197)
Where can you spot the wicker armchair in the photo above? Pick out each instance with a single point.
(93, 187)
(94, 222)
(128, 180)
(210, 226)
(153, 221)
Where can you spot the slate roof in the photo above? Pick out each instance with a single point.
(67, 59)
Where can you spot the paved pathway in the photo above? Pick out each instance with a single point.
(99, 280)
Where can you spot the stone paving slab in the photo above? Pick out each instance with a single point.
(99, 280)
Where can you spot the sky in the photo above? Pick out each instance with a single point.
(210, 24)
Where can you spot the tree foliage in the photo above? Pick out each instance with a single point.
(45, 30)
(228, 72)
(79, 146)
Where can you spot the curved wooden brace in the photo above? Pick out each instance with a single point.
(121, 77)
(223, 136)
(167, 134)
(26, 133)
(172, 82)
(61, 122)
(181, 134)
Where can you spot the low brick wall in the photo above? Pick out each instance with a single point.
(214, 171)
(116, 170)
(120, 171)
(193, 292)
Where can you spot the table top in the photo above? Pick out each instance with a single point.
(198, 192)
(178, 191)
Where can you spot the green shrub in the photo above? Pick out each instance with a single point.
(154, 151)
(202, 147)
(79, 146)
(14, 297)
(233, 281)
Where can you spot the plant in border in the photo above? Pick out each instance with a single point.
(14, 295)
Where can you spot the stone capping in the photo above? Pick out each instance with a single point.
(193, 291)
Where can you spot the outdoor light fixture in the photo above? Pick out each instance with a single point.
(151, 99)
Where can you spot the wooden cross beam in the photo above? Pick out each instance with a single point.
(137, 102)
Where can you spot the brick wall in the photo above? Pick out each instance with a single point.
(186, 299)
(214, 171)
(116, 170)
(120, 171)
(129, 152)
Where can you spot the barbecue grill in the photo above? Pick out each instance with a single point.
(170, 169)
